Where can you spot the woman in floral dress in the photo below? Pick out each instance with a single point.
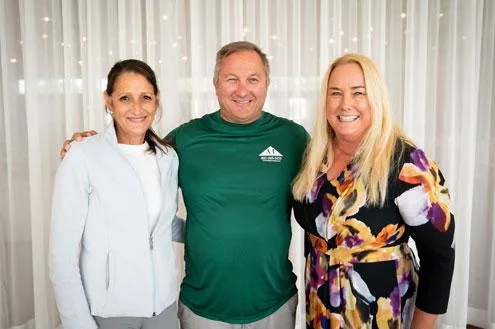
(363, 190)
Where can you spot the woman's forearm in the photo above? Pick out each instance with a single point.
(423, 320)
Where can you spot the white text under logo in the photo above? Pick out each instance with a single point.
(271, 155)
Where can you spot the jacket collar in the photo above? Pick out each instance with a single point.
(110, 135)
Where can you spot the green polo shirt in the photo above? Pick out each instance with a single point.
(235, 179)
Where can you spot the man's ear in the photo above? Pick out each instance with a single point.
(215, 84)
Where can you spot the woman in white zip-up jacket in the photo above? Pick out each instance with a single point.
(112, 263)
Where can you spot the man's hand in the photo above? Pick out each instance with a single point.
(79, 136)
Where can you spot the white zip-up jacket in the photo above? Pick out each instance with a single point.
(105, 260)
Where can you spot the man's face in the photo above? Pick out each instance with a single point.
(241, 87)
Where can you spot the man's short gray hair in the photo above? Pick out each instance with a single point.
(236, 47)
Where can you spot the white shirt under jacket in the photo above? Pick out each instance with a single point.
(105, 260)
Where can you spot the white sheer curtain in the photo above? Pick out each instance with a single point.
(438, 57)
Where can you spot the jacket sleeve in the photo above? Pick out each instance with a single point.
(69, 211)
(178, 229)
(424, 204)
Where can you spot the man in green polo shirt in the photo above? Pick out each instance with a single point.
(236, 167)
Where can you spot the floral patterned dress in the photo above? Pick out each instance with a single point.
(360, 272)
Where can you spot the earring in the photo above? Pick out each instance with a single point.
(158, 114)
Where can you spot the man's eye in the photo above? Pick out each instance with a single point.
(148, 98)
(253, 80)
(124, 99)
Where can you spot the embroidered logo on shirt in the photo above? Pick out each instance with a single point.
(271, 155)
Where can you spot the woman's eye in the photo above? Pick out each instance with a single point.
(335, 93)
(148, 98)
(124, 99)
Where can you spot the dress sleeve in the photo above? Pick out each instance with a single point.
(424, 204)
(69, 212)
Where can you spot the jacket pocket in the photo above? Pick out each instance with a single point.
(109, 284)
(109, 279)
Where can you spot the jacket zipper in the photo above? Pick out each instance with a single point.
(152, 272)
(108, 272)
(150, 238)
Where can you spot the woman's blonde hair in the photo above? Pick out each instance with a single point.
(374, 156)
